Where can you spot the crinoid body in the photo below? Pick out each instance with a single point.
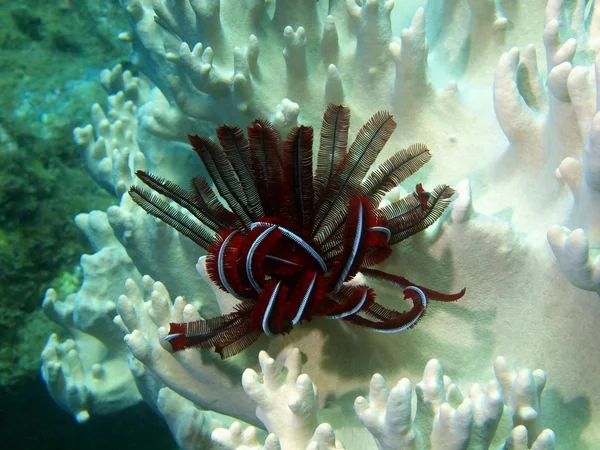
(287, 240)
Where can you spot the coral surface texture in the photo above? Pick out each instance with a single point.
(504, 93)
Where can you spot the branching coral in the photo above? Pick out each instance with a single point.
(239, 63)
(89, 373)
(580, 264)
(558, 131)
(517, 137)
(286, 404)
(193, 375)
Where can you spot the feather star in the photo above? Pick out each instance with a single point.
(285, 241)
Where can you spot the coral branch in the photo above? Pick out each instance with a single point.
(578, 263)
(443, 421)
(286, 403)
(387, 414)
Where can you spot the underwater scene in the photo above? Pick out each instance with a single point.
(300, 224)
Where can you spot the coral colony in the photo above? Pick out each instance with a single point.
(505, 95)
(286, 243)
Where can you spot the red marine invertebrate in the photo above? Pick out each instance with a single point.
(289, 241)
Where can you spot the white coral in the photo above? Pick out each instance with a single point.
(144, 316)
(109, 145)
(578, 251)
(286, 404)
(505, 97)
(87, 373)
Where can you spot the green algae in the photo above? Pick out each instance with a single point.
(52, 54)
